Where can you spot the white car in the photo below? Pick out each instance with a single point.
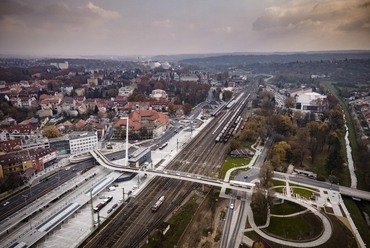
(232, 206)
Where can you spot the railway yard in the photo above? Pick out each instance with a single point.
(132, 223)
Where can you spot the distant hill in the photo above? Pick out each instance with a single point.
(245, 59)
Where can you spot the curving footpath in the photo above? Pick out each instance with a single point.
(325, 236)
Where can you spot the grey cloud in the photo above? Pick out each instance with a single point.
(365, 5)
(8, 7)
(311, 15)
(357, 25)
(54, 14)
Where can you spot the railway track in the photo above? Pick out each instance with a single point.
(135, 220)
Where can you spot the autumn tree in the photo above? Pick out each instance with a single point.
(282, 149)
(289, 102)
(51, 132)
(299, 146)
(226, 95)
(235, 144)
(187, 108)
(171, 108)
(283, 125)
(281, 154)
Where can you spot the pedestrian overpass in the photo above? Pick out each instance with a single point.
(195, 178)
(237, 185)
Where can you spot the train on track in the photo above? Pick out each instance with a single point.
(102, 204)
(158, 203)
(242, 184)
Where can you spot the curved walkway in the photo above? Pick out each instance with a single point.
(289, 215)
(325, 236)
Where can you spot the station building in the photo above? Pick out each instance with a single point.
(139, 157)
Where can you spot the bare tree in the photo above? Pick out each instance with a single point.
(266, 173)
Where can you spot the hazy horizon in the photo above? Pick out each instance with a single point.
(80, 28)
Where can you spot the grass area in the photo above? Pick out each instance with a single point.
(293, 228)
(352, 138)
(341, 237)
(232, 162)
(279, 189)
(358, 219)
(302, 192)
(278, 183)
(287, 207)
(297, 185)
(178, 224)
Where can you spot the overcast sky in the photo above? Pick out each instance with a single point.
(150, 27)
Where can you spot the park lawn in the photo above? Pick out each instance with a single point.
(178, 223)
(293, 228)
(278, 183)
(287, 207)
(297, 185)
(232, 162)
(303, 192)
(358, 219)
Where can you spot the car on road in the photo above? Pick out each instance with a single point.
(6, 203)
(114, 206)
(232, 206)
(109, 211)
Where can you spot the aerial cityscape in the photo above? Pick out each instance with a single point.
(184, 123)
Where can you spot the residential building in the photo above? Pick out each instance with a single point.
(20, 161)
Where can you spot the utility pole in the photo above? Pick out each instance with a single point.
(92, 208)
(126, 155)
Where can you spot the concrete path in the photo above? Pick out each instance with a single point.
(321, 240)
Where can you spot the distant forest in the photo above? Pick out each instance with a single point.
(237, 60)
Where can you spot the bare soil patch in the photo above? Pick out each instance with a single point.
(205, 229)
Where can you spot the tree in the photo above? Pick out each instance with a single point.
(226, 95)
(283, 125)
(282, 148)
(289, 102)
(171, 108)
(187, 108)
(51, 132)
(262, 200)
(334, 161)
(299, 145)
(235, 144)
(266, 173)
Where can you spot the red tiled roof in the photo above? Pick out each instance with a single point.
(24, 129)
(9, 145)
(81, 123)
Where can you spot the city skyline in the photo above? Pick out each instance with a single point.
(142, 27)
